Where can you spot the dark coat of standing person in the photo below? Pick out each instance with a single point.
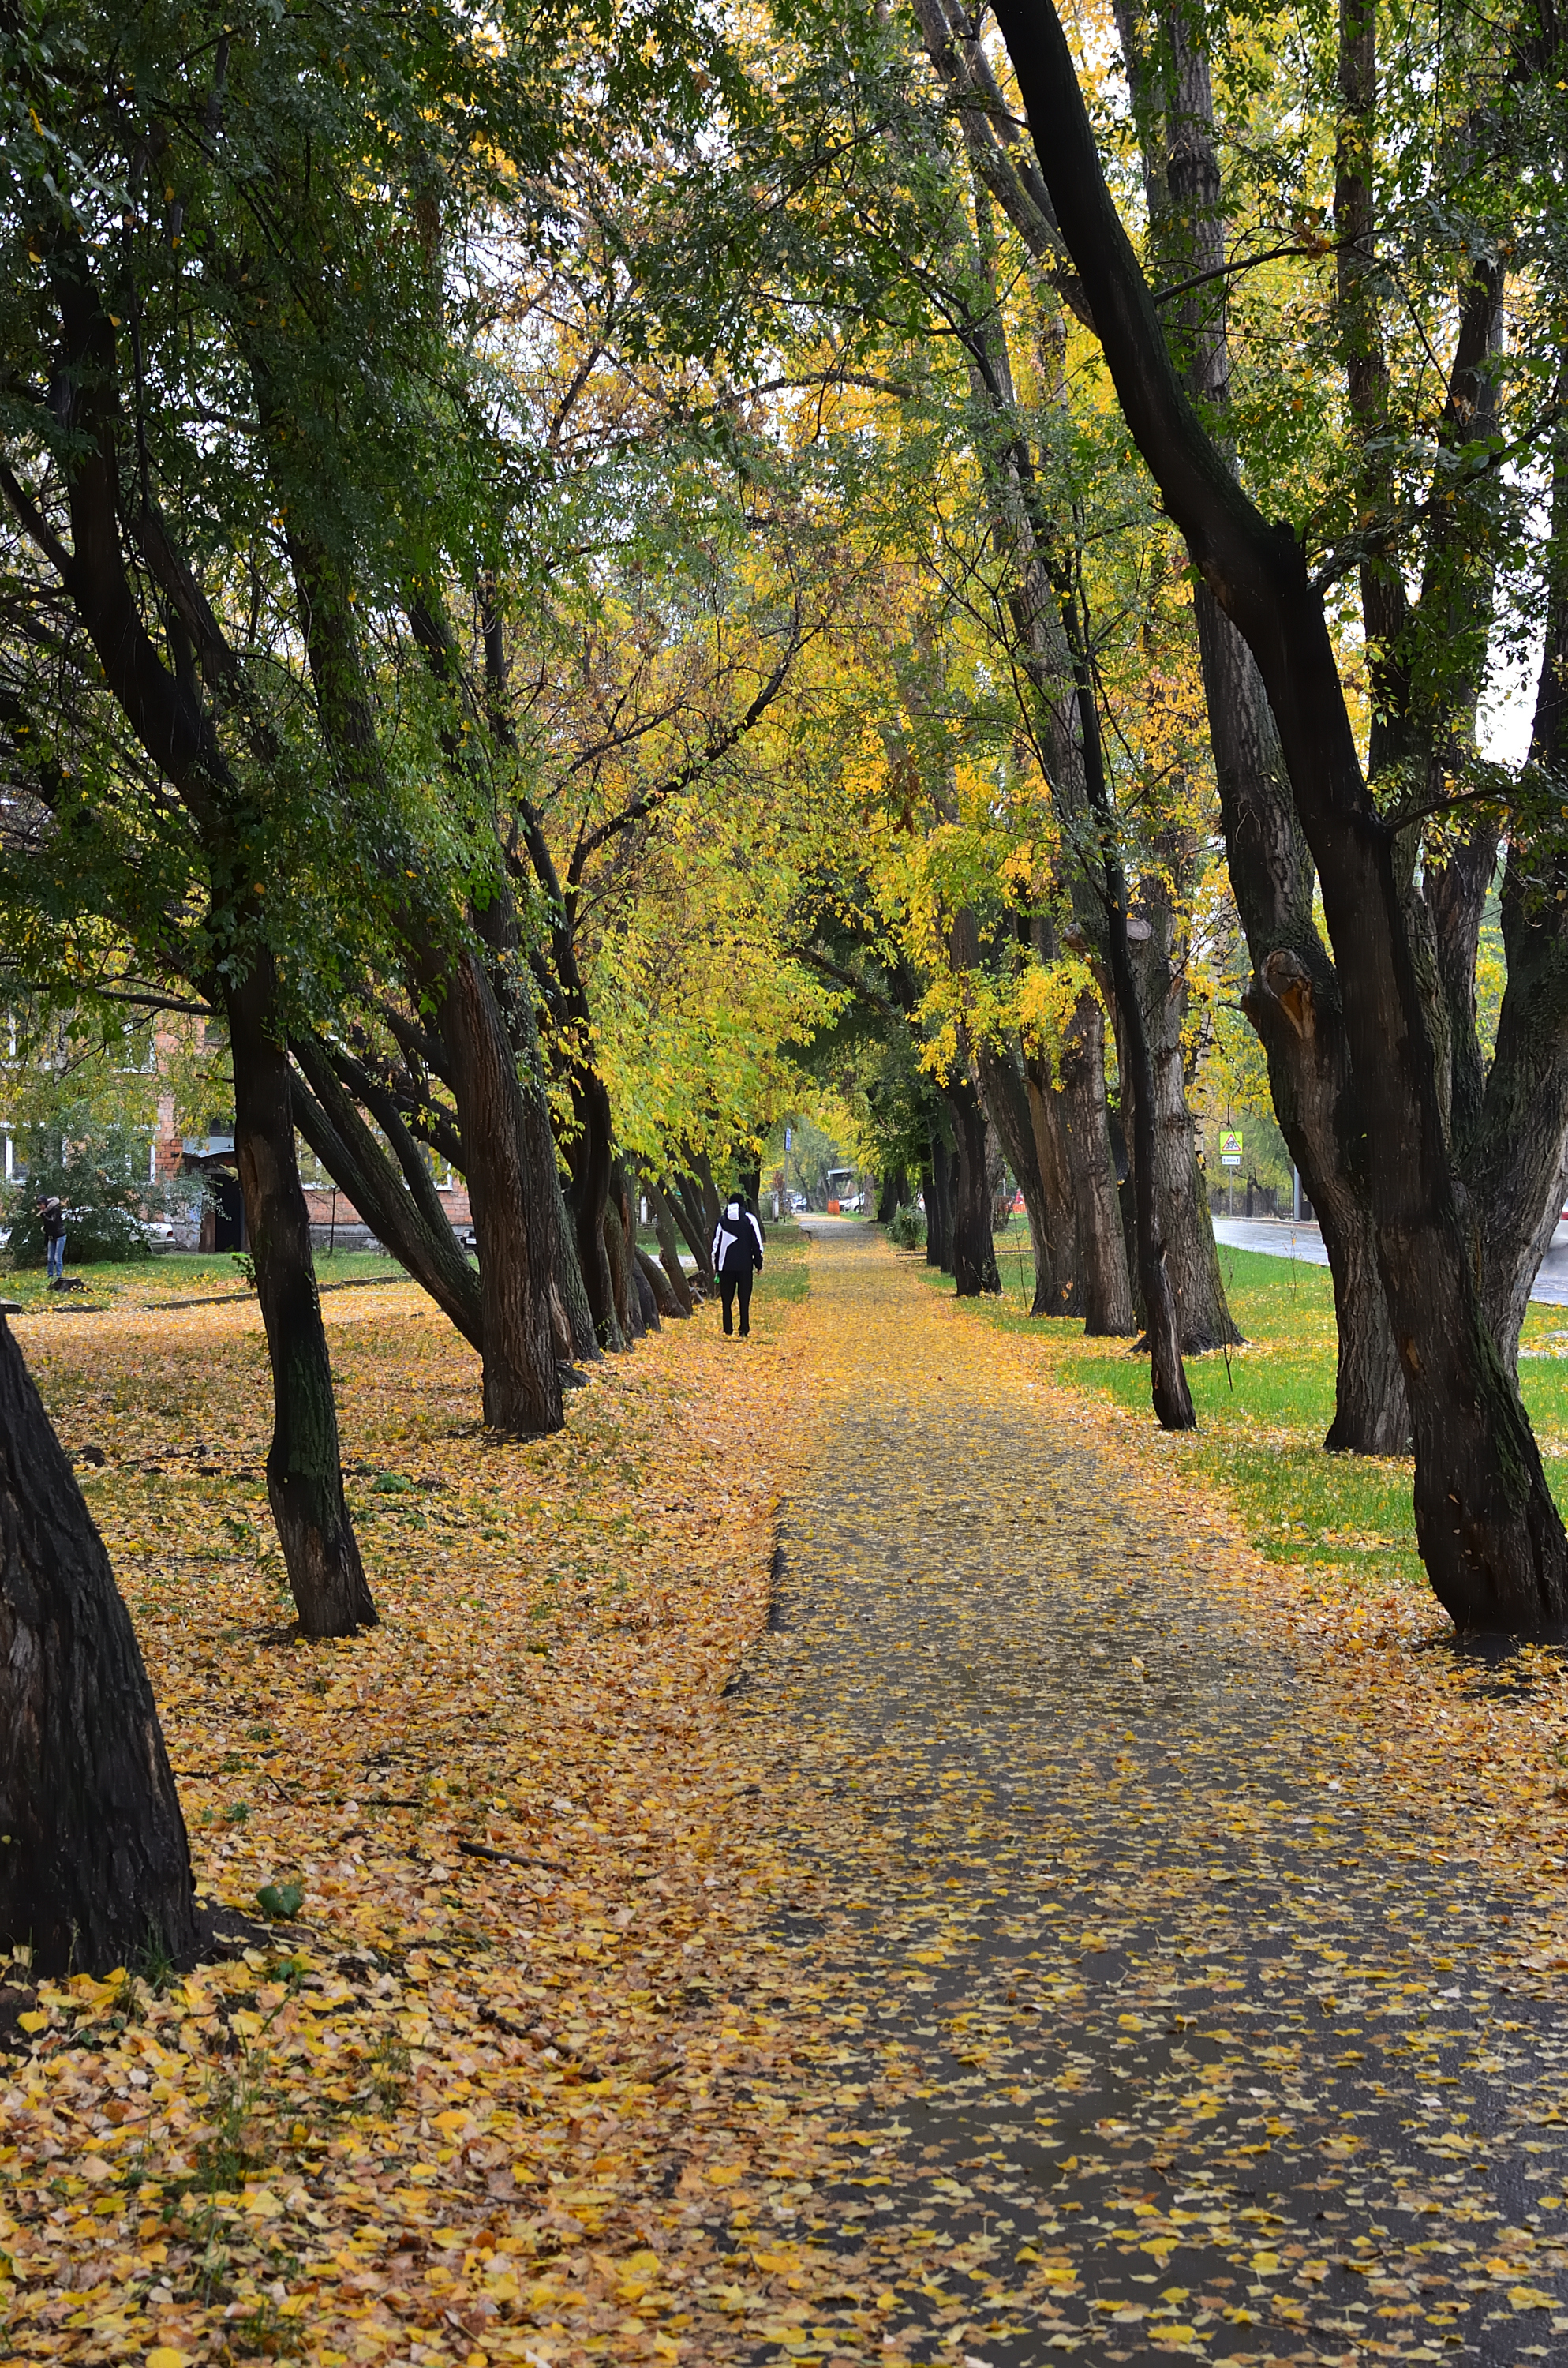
(737, 1256)
(52, 1211)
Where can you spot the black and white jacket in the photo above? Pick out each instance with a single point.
(737, 1240)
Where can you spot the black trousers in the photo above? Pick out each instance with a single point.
(729, 1284)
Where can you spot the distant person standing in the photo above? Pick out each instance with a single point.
(737, 1256)
(52, 1211)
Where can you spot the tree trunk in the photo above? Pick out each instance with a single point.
(940, 1208)
(628, 1306)
(522, 1386)
(1006, 1103)
(1192, 1260)
(973, 1249)
(1294, 1006)
(1106, 1284)
(96, 1869)
(1522, 1134)
(1168, 1374)
(304, 1472)
(712, 1206)
(1049, 1126)
(660, 1286)
(892, 1195)
(589, 1160)
(669, 1249)
(1269, 863)
(622, 1237)
(405, 1210)
(685, 1206)
(1488, 1530)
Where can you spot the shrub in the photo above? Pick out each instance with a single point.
(906, 1226)
(93, 1173)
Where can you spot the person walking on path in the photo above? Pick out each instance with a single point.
(52, 1211)
(737, 1256)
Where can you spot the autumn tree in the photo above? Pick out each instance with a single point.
(1489, 1531)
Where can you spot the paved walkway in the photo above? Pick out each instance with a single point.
(1159, 2034)
(1282, 1237)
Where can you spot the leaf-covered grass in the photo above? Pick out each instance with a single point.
(176, 1274)
(785, 1278)
(1263, 1412)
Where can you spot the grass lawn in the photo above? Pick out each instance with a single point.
(176, 1274)
(784, 1277)
(1263, 1412)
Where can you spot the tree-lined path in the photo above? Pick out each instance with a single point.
(1167, 2029)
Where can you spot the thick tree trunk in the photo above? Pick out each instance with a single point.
(973, 1249)
(1108, 1310)
(629, 1322)
(669, 1249)
(1006, 1104)
(304, 1471)
(1049, 1126)
(1489, 1531)
(522, 1386)
(619, 1239)
(1294, 1006)
(95, 1868)
(589, 1160)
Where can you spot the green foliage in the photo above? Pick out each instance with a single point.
(280, 1900)
(906, 1227)
(98, 1172)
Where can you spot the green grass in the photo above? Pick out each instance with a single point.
(785, 1276)
(1263, 1411)
(176, 1274)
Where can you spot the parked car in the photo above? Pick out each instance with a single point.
(158, 1232)
(799, 1204)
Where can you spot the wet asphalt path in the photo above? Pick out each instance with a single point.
(1159, 2034)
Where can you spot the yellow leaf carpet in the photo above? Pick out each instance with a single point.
(1031, 1940)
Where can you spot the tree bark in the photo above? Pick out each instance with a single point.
(588, 1158)
(304, 1470)
(1107, 1311)
(521, 1384)
(680, 1197)
(405, 1210)
(1192, 1261)
(712, 1206)
(627, 1307)
(973, 1249)
(666, 1302)
(1269, 863)
(621, 1240)
(939, 1207)
(1293, 1004)
(669, 1249)
(1052, 1142)
(1005, 1098)
(96, 1869)
(1488, 1530)
(1168, 1374)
